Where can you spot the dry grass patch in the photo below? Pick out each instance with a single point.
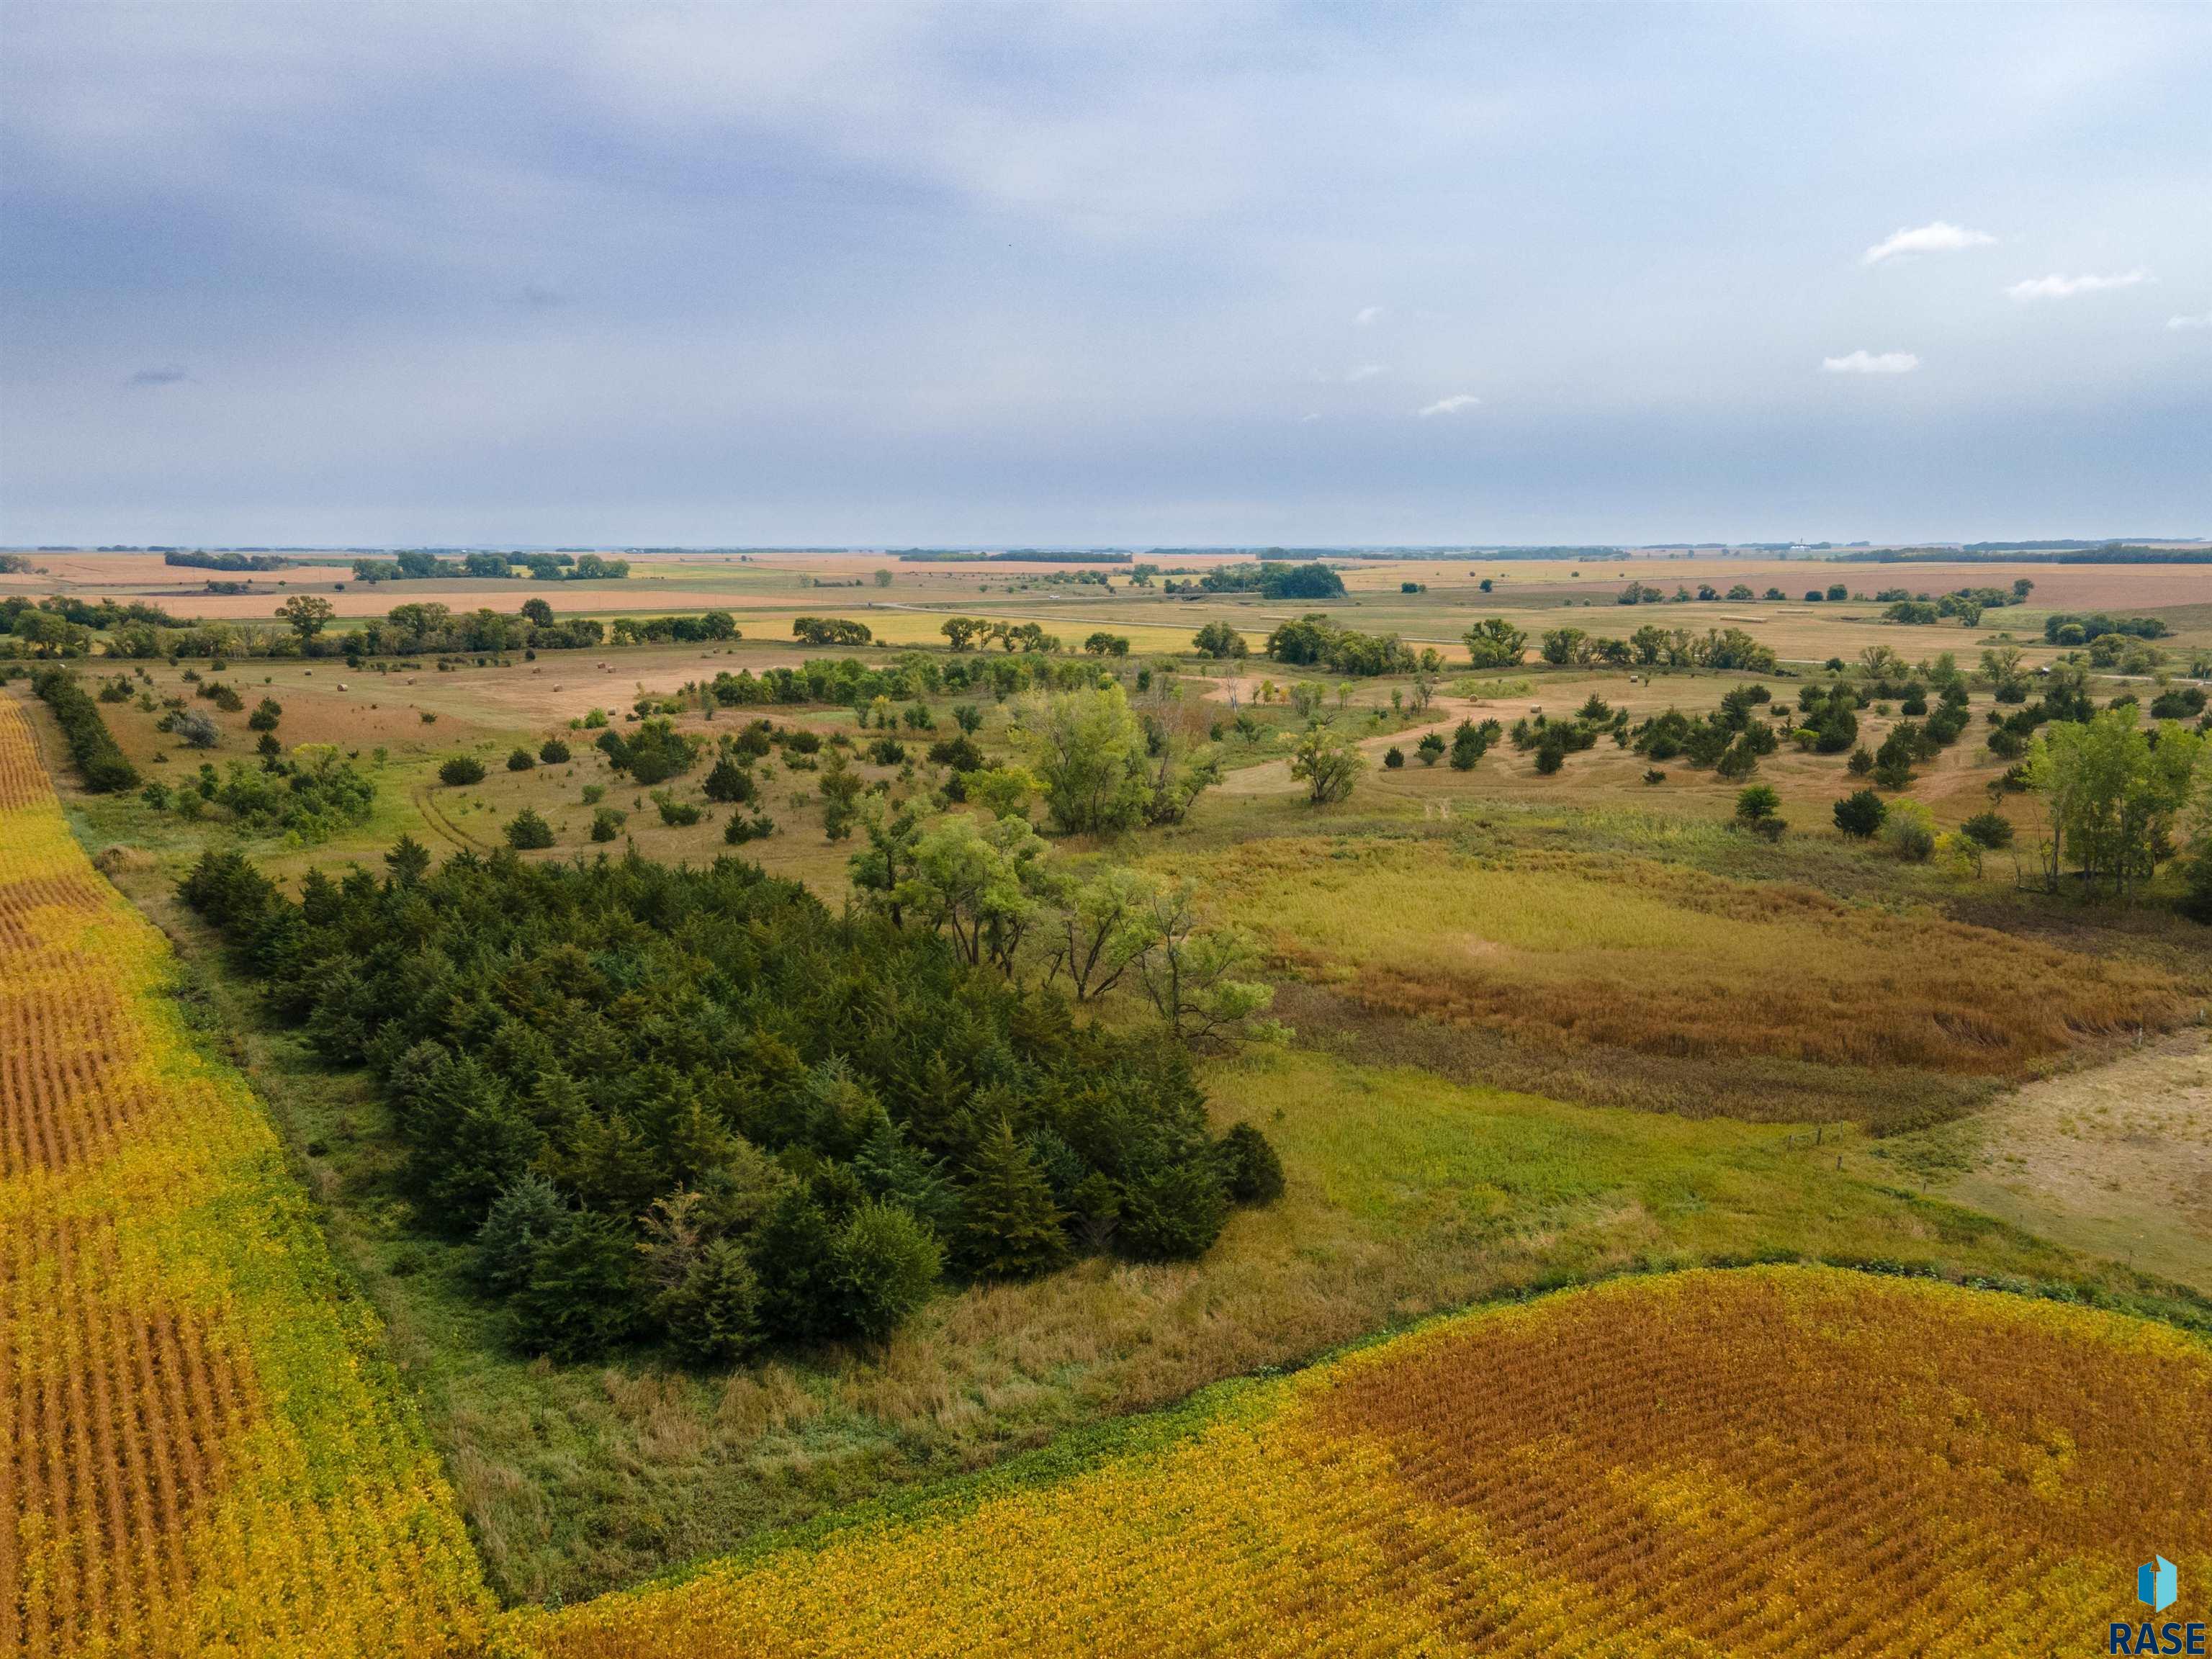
(1637, 955)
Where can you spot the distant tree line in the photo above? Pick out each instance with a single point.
(61, 626)
(230, 560)
(848, 683)
(1016, 556)
(416, 565)
(1269, 579)
(2069, 628)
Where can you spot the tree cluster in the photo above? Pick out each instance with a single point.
(313, 795)
(1270, 579)
(1315, 641)
(697, 1105)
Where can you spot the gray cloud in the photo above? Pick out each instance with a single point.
(165, 376)
(987, 272)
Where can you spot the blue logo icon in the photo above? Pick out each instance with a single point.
(2157, 1585)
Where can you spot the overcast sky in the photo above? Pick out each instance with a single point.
(1116, 274)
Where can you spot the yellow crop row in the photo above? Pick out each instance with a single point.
(204, 1453)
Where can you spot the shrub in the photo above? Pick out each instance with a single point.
(553, 751)
(1756, 804)
(887, 751)
(740, 830)
(1172, 1211)
(678, 814)
(1250, 1166)
(1431, 748)
(2196, 901)
(527, 831)
(1990, 831)
(883, 1264)
(1469, 741)
(459, 771)
(1860, 814)
(606, 823)
(728, 782)
(1909, 830)
(265, 714)
(521, 761)
(1394, 757)
(193, 729)
(959, 752)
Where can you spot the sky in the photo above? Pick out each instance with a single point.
(1108, 275)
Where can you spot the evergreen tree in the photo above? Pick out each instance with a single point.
(891, 1167)
(1248, 1163)
(1010, 1227)
(1171, 1211)
(883, 1265)
(528, 1211)
(728, 782)
(408, 861)
(791, 1254)
(582, 1295)
(712, 1313)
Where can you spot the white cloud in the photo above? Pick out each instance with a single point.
(1311, 416)
(2203, 319)
(1457, 403)
(1367, 316)
(1938, 238)
(1871, 363)
(2055, 287)
(1354, 375)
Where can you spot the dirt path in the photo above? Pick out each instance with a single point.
(1274, 777)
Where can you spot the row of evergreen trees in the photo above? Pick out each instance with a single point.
(697, 1105)
(92, 745)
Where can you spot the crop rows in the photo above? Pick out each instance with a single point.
(1783, 1462)
(203, 1453)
